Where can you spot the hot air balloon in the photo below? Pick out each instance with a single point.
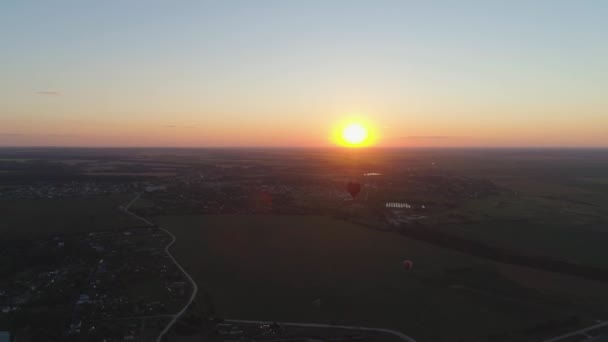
(353, 188)
(408, 264)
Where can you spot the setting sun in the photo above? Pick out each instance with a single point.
(354, 134)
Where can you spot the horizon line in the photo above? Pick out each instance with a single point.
(300, 147)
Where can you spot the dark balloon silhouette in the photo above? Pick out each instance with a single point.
(353, 188)
(408, 264)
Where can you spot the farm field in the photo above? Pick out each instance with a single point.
(517, 228)
(318, 269)
(37, 218)
(548, 204)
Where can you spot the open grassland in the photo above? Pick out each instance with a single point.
(537, 218)
(317, 269)
(43, 217)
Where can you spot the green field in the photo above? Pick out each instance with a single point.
(562, 217)
(275, 267)
(43, 217)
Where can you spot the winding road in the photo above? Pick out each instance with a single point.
(175, 317)
(194, 286)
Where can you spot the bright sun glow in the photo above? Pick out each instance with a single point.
(355, 134)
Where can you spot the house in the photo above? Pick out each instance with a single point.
(153, 188)
(83, 299)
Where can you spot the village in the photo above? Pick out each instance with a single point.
(90, 285)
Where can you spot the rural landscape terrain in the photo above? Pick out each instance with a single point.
(236, 244)
(303, 171)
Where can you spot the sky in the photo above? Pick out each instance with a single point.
(287, 73)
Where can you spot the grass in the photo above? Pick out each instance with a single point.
(275, 267)
(525, 223)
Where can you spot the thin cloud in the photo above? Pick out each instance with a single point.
(33, 139)
(48, 93)
(429, 137)
(176, 126)
(19, 135)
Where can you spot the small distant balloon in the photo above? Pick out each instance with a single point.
(353, 188)
(408, 264)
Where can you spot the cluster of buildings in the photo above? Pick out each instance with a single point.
(49, 282)
(98, 280)
(273, 331)
(132, 277)
(398, 213)
(404, 205)
(62, 190)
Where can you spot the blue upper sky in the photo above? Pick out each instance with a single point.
(472, 72)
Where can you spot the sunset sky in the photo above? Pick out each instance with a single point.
(285, 73)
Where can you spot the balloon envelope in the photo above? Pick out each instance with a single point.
(353, 188)
(408, 264)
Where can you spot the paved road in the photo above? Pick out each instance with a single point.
(134, 317)
(577, 332)
(194, 286)
(315, 325)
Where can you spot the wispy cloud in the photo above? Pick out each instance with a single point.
(178, 126)
(34, 139)
(429, 137)
(43, 135)
(48, 93)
